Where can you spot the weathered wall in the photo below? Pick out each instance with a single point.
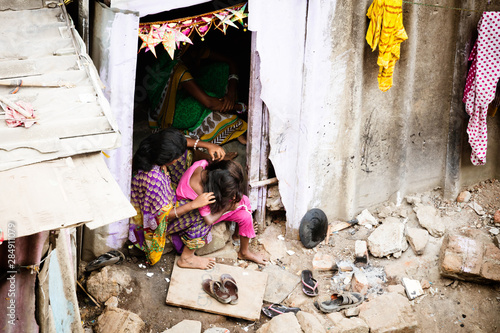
(358, 146)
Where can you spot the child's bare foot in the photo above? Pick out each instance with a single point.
(196, 262)
(231, 155)
(255, 257)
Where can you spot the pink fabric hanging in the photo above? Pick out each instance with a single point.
(481, 83)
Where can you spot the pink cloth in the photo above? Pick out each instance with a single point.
(481, 83)
(241, 215)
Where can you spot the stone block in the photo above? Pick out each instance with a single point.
(429, 219)
(220, 236)
(273, 201)
(464, 196)
(280, 283)
(361, 251)
(116, 320)
(284, 323)
(388, 239)
(323, 262)
(191, 326)
(351, 312)
(469, 259)
(389, 312)
(352, 325)
(335, 317)
(366, 219)
(309, 323)
(418, 239)
(112, 302)
(359, 283)
(108, 282)
(396, 289)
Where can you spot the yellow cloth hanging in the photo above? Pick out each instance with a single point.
(387, 31)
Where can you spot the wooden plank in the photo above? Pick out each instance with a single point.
(185, 291)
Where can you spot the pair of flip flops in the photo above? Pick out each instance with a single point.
(340, 301)
(225, 291)
(276, 309)
(309, 284)
(108, 258)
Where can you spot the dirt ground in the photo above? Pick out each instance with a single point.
(447, 306)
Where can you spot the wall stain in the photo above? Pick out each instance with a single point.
(367, 140)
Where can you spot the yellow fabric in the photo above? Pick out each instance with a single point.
(387, 31)
(155, 240)
(180, 74)
(216, 134)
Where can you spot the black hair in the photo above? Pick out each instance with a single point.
(226, 180)
(159, 148)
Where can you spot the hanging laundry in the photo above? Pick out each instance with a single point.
(387, 31)
(481, 83)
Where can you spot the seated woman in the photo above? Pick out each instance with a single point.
(197, 92)
(157, 166)
(226, 180)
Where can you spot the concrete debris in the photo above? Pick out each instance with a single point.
(351, 325)
(227, 252)
(323, 262)
(388, 312)
(107, 282)
(494, 231)
(388, 239)
(469, 259)
(276, 249)
(280, 284)
(413, 200)
(429, 219)
(284, 323)
(309, 323)
(360, 283)
(477, 208)
(464, 196)
(425, 284)
(366, 219)
(396, 288)
(116, 320)
(418, 239)
(496, 241)
(385, 212)
(413, 288)
(273, 202)
(361, 252)
(191, 326)
(351, 312)
(221, 235)
(216, 330)
(112, 302)
(150, 274)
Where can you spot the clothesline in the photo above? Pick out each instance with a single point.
(438, 6)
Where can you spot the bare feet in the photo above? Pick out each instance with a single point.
(255, 257)
(196, 262)
(231, 155)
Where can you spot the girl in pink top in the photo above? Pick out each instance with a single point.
(226, 180)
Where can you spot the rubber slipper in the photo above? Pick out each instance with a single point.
(309, 284)
(230, 286)
(340, 301)
(216, 290)
(108, 258)
(276, 309)
(313, 228)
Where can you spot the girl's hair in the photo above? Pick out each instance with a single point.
(227, 181)
(159, 148)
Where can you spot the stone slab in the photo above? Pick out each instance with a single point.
(185, 291)
(280, 284)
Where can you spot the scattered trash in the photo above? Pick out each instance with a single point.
(281, 237)
(477, 208)
(150, 274)
(494, 231)
(167, 279)
(142, 266)
(290, 252)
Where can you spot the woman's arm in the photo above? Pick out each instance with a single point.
(202, 200)
(215, 151)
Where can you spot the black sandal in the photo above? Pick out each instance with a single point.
(276, 309)
(108, 258)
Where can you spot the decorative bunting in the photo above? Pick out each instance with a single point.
(172, 33)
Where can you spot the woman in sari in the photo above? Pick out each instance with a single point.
(157, 166)
(197, 92)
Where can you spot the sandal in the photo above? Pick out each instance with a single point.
(108, 258)
(309, 284)
(276, 309)
(229, 284)
(216, 290)
(340, 301)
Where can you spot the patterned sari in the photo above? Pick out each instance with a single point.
(153, 197)
(173, 106)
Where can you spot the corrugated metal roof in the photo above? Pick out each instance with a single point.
(41, 46)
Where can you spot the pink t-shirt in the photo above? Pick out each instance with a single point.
(184, 189)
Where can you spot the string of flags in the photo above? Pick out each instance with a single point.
(174, 32)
